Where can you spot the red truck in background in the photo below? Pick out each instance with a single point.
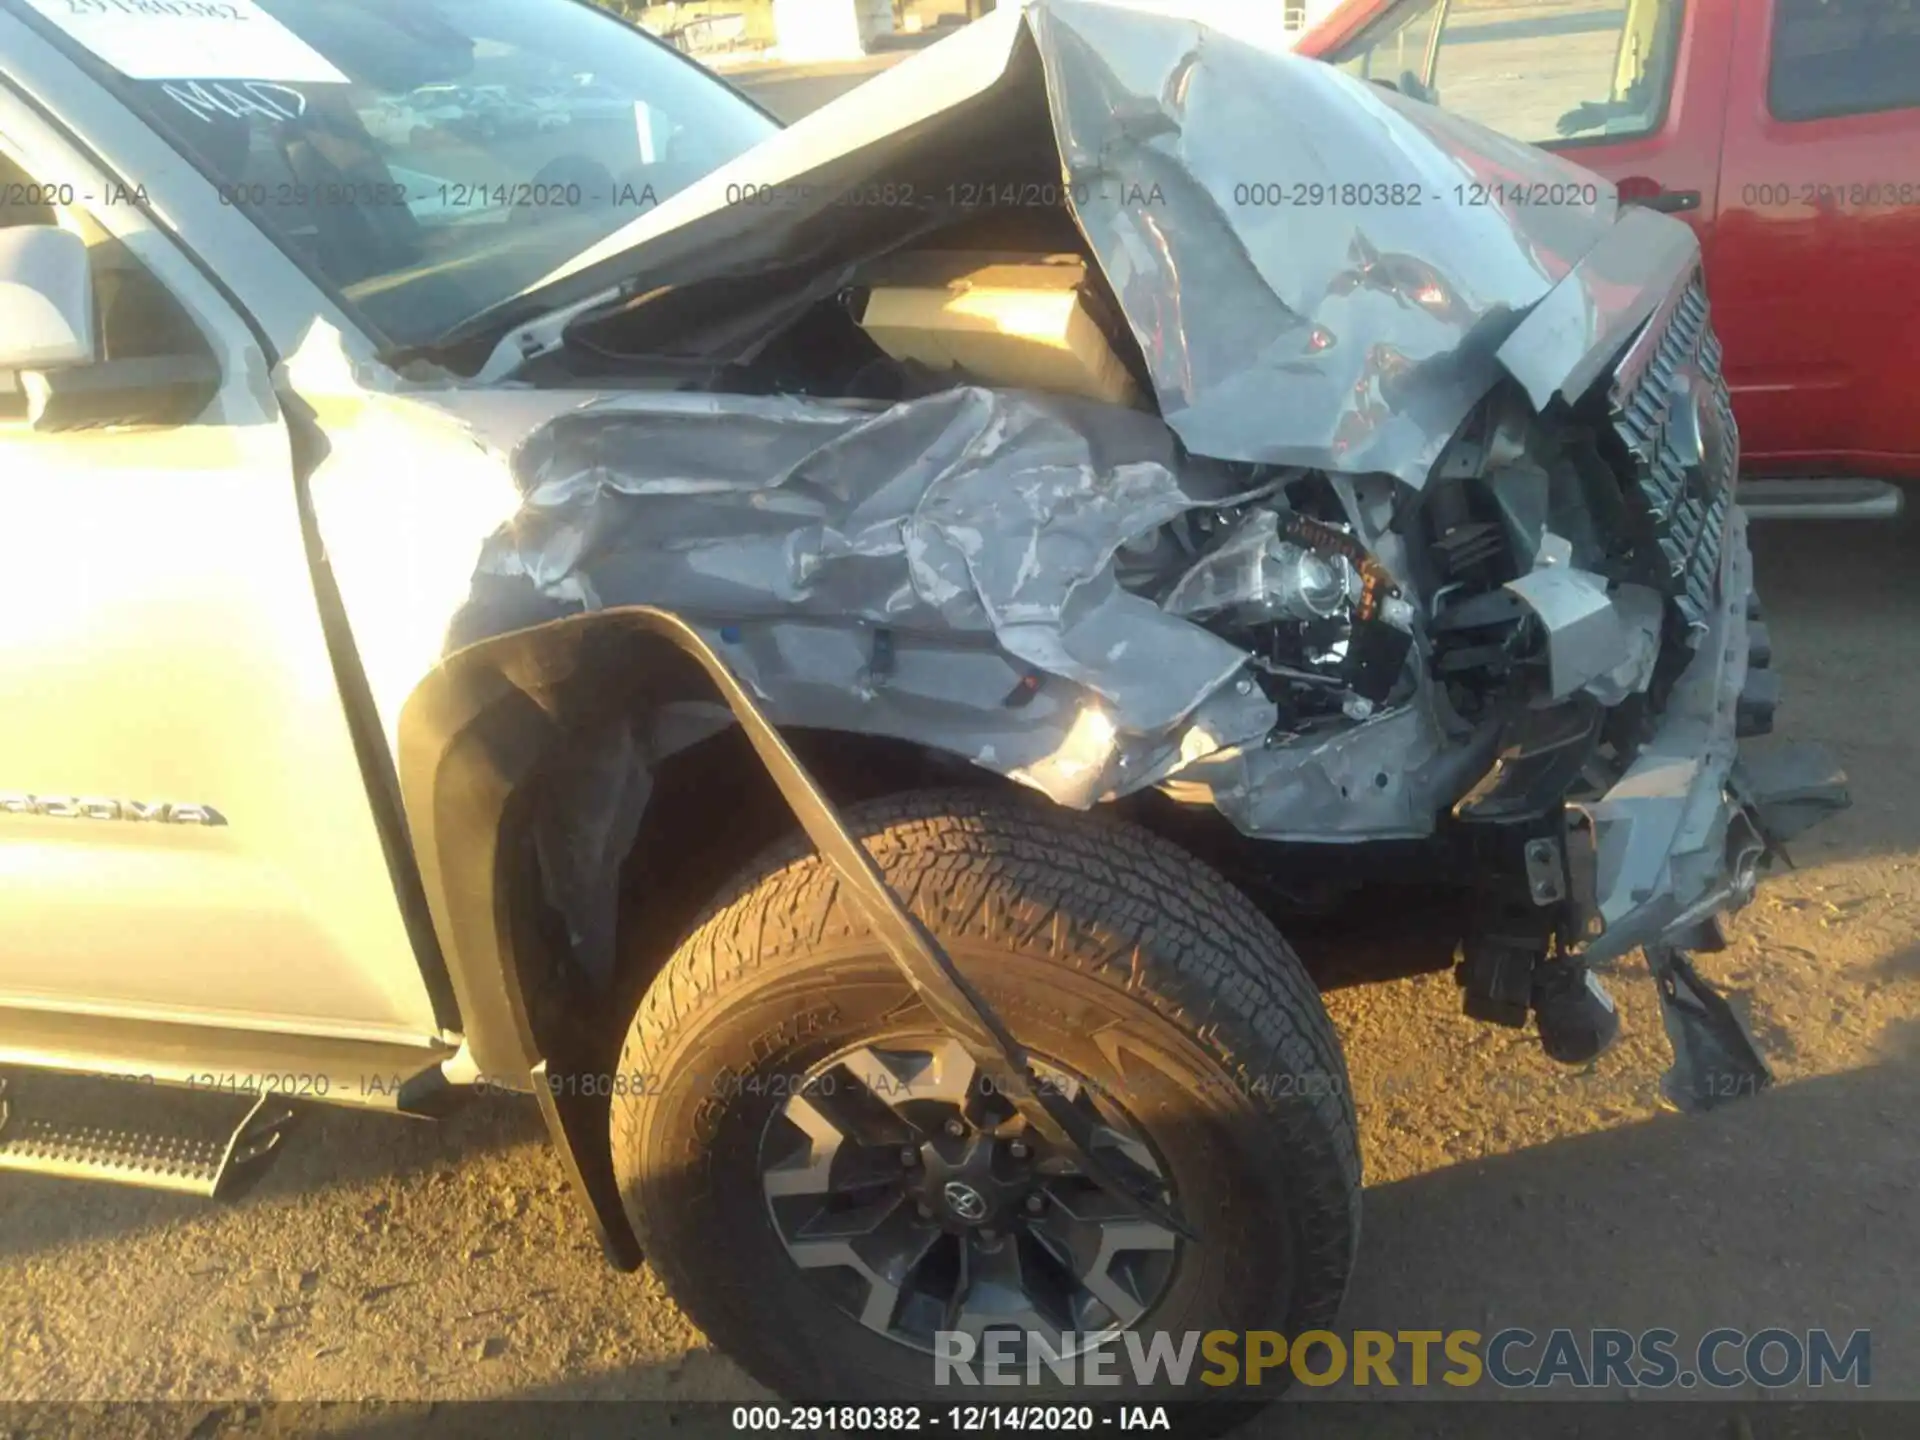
(1787, 132)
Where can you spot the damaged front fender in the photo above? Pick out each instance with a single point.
(491, 724)
(1374, 495)
(962, 569)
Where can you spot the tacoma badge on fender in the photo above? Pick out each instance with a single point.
(99, 807)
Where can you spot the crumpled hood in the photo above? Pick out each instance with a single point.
(1312, 281)
(1297, 296)
(1316, 269)
(1317, 273)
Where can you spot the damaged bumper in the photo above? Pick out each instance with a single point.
(1683, 834)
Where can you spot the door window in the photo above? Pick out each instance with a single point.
(1843, 57)
(1394, 50)
(1547, 74)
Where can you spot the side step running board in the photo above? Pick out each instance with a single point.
(374, 1075)
(1821, 499)
(151, 1158)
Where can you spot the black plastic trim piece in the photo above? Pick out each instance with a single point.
(161, 390)
(1541, 755)
(1667, 202)
(577, 1121)
(308, 443)
(475, 737)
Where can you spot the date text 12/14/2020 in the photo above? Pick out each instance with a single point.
(953, 1419)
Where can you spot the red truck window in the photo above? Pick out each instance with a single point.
(1843, 57)
(1393, 50)
(1547, 72)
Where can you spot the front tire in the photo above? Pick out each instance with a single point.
(1119, 960)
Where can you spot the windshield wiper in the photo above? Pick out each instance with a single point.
(487, 325)
(483, 330)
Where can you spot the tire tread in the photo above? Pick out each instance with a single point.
(1106, 897)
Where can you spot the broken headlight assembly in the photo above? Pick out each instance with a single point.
(1325, 627)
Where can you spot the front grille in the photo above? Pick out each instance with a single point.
(1670, 408)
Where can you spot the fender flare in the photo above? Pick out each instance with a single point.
(472, 737)
(480, 727)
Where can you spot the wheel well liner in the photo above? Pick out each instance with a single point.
(475, 740)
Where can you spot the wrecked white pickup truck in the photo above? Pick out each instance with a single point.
(829, 655)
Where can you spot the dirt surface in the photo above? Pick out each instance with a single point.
(399, 1259)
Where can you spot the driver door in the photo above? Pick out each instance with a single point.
(185, 833)
(1636, 93)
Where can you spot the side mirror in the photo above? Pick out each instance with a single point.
(46, 299)
(52, 373)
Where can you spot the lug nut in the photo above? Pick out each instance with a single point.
(956, 1129)
(909, 1155)
(1018, 1149)
(1035, 1204)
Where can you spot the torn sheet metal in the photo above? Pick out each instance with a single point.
(970, 513)
(1383, 779)
(1334, 297)
(943, 570)
(974, 530)
(1569, 339)
(1662, 830)
(1602, 638)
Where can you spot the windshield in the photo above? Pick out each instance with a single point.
(422, 159)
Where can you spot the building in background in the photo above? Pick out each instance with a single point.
(814, 31)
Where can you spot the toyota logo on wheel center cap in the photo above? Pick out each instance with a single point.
(964, 1201)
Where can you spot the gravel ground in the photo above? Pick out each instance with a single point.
(417, 1262)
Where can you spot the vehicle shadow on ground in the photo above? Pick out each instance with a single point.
(328, 1149)
(1742, 1226)
(1775, 1210)
(334, 1148)
(1843, 607)
(1901, 965)
(1381, 934)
